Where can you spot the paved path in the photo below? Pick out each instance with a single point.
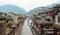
(26, 29)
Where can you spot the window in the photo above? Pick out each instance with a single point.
(0, 25)
(48, 19)
(38, 19)
(39, 14)
(58, 19)
(1, 19)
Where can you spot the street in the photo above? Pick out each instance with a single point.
(26, 29)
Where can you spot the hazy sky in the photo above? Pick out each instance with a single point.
(28, 4)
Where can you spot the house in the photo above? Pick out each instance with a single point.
(57, 14)
(14, 16)
(57, 19)
(2, 23)
(57, 23)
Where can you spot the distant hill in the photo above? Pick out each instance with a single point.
(39, 9)
(12, 8)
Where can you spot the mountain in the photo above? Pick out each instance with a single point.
(12, 8)
(41, 9)
(38, 9)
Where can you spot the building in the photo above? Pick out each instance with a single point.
(14, 16)
(2, 24)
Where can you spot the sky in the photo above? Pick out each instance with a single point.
(28, 4)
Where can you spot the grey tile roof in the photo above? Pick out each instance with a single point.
(8, 17)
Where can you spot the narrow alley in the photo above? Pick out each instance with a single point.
(26, 29)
